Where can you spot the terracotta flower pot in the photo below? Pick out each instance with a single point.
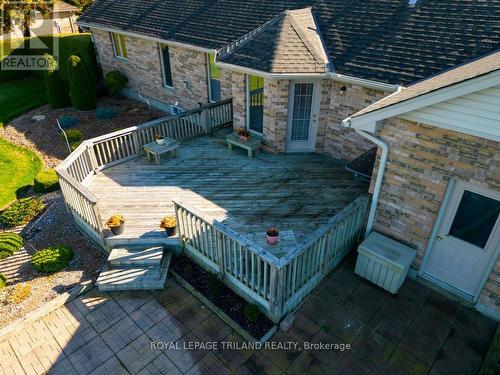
(244, 138)
(118, 229)
(273, 240)
(170, 231)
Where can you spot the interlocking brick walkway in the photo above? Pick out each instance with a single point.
(416, 332)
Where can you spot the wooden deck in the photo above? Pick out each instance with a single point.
(291, 191)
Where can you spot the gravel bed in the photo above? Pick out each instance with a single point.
(45, 138)
(54, 226)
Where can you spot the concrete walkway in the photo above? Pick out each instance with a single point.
(416, 332)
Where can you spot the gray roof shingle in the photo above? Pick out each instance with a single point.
(381, 40)
(451, 77)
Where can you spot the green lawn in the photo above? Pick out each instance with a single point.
(19, 167)
(18, 97)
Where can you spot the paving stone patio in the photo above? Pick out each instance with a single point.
(416, 332)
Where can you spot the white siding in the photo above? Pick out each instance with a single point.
(477, 113)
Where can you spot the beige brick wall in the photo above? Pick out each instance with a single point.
(143, 69)
(421, 161)
(340, 142)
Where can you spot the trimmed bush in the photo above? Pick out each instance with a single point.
(252, 312)
(67, 122)
(46, 181)
(57, 92)
(74, 135)
(115, 81)
(105, 113)
(81, 86)
(9, 244)
(68, 44)
(52, 259)
(21, 211)
(3, 281)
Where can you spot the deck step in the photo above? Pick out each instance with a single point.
(146, 239)
(134, 278)
(136, 257)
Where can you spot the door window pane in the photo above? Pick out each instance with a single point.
(301, 114)
(475, 218)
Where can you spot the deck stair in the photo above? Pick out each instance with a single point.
(135, 268)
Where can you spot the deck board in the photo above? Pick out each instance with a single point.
(291, 191)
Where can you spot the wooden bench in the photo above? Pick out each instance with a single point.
(155, 149)
(252, 145)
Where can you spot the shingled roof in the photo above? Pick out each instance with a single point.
(477, 68)
(384, 40)
(289, 43)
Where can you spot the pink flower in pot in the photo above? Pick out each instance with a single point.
(273, 236)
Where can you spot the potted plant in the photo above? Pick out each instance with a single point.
(116, 223)
(169, 223)
(243, 134)
(159, 139)
(273, 236)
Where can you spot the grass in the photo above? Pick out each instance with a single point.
(18, 97)
(3, 281)
(19, 167)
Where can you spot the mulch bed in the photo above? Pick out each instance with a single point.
(227, 300)
(54, 226)
(45, 138)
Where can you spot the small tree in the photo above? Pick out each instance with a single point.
(57, 92)
(81, 86)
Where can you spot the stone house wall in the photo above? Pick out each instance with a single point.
(422, 160)
(144, 71)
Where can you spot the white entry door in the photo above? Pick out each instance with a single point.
(467, 239)
(302, 122)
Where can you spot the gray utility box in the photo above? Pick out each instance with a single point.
(383, 261)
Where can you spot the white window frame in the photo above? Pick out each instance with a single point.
(115, 49)
(163, 66)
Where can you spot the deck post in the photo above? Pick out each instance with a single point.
(220, 253)
(277, 285)
(205, 120)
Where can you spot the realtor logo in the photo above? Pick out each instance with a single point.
(27, 35)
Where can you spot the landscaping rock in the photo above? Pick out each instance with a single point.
(38, 118)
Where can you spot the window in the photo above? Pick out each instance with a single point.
(214, 79)
(119, 46)
(165, 62)
(475, 218)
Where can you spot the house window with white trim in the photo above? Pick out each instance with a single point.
(119, 46)
(213, 79)
(166, 67)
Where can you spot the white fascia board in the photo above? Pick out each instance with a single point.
(425, 100)
(142, 36)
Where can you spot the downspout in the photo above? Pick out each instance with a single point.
(380, 175)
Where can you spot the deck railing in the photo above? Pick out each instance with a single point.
(102, 152)
(277, 285)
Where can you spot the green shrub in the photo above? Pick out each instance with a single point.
(52, 259)
(252, 312)
(74, 145)
(21, 211)
(46, 181)
(74, 135)
(214, 284)
(81, 87)
(57, 92)
(115, 81)
(9, 244)
(68, 44)
(3, 281)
